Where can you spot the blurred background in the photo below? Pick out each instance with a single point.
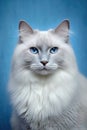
(41, 14)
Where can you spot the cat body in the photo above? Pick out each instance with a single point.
(47, 91)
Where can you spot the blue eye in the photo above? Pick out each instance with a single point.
(53, 50)
(34, 50)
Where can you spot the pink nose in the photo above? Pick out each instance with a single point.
(44, 62)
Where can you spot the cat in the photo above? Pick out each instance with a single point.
(46, 88)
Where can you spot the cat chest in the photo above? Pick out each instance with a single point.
(55, 123)
(38, 103)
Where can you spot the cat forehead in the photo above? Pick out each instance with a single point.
(43, 38)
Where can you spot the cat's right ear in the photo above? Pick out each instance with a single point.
(24, 30)
(63, 30)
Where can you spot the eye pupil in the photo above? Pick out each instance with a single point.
(53, 50)
(34, 50)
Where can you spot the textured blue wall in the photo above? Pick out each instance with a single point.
(42, 14)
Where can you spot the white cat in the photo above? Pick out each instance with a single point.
(47, 91)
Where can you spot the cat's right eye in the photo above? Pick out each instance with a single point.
(53, 50)
(34, 50)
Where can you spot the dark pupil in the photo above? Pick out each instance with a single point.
(54, 49)
(34, 50)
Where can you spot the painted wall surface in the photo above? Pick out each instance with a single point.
(41, 14)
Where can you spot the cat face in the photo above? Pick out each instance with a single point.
(41, 55)
(43, 52)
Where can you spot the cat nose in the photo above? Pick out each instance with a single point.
(44, 62)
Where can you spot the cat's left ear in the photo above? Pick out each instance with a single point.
(63, 30)
(24, 30)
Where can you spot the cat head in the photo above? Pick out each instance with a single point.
(44, 52)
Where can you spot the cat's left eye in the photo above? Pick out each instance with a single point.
(53, 50)
(34, 50)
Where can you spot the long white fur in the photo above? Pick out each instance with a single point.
(36, 96)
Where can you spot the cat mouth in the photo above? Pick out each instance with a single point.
(44, 68)
(43, 71)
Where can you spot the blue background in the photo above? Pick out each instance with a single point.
(41, 14)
